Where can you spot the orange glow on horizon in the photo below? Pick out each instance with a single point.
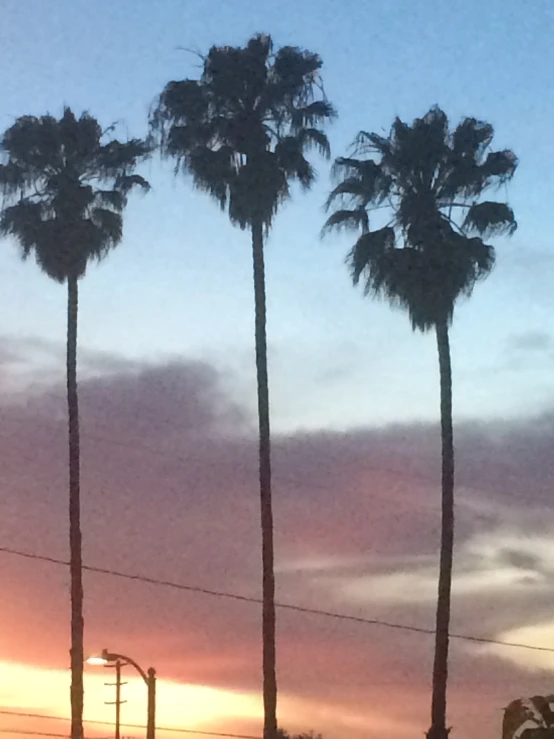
(44, 691)
(39, 690)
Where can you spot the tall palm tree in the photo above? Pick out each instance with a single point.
(415, 198)
(242, 131)
(64, 190)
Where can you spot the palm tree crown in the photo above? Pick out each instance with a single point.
(242, 130)
(430, 180)
(65, 190)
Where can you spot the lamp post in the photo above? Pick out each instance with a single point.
(149, 678)
(118, 700)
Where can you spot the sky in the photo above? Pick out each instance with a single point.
(166, 336)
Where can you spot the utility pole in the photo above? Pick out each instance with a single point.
(151, 723)
(117, 703)
(113, 659)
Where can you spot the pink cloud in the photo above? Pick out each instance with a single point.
(169, 491)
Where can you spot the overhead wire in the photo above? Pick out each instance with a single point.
(173, 729)
(28, 732)
(285, 606)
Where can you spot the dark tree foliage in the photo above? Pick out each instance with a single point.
(243, 132)
(415, 198)
(64, 193)
(244, 128)
(65, 189)
(429, 181)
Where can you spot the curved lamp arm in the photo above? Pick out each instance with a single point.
(113, 657)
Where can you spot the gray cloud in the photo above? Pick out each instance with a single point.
(169, 490)
(531, 341)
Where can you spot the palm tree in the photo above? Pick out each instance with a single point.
(242, 131)
(534, 713)
(415, 197)
(64, 194)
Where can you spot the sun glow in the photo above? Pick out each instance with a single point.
(41, 690)
(536, 635)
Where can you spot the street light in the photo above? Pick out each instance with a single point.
(149, 678)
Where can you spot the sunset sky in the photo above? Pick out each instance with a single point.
(168, 396)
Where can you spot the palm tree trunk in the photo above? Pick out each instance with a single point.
(77, 623)
(438, 728)
(268, 574)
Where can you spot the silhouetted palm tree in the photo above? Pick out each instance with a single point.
(242, 131)
(64, 194)
(428, 180)
(534, 713)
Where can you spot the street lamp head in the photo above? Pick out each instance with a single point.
(96, 660)
(111, 658)
(103, 659)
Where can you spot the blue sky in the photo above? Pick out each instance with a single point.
(180, 284)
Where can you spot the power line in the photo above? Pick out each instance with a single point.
(284, 606)
(178, 730)
(32, 733)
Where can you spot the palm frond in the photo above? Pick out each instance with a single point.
(414, 153)
(34, 144)
(347, 167)
(113, 198)
(295, 71)
(427, 282)
(479, 258)
(426, 145)
(353, 219)
(79, 138)
(231, 71)
(12, 178)
(465, 176)
(421, 283)
(180, 103)
(417, 214)
(352, 167)
(499, 165)
(369, 143)
(23, 221)
(180, 140)
(313, 114)
(471, 138)
(125, 183)
(110, 224)
(257, 191)
(363, 179)
(352, 187)
(490, 218)
(314, 137)
(260, 46)
(367, 257)
(212, 171)
(116, 158)
(64, 249)
(289, 154)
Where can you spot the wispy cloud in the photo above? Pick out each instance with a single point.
(170, 491)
